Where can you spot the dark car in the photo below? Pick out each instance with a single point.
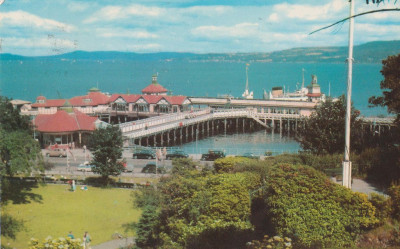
(177, 154)
(250, 155)
(144, 154)
(151, 168)
(212, 155)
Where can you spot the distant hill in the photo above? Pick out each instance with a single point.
(371, 52)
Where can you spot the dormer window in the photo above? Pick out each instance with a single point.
(41, 101)
(87, 100)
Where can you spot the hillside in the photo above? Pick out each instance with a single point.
(371, 52)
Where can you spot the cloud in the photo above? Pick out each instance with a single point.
(309, 12)
(110, 13)
(78, 6)
(119, 32)
(240, 30)
(24, 19)
(144, 47)
(38, 43)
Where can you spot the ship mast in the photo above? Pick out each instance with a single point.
(247, 94)
(302, 83)
(247, 78)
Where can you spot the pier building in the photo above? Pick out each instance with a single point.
(64, 127)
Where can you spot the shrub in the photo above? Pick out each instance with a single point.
(382, 206)
(394, 193)
(275, 242)
(225, 165)
(49, 242)
(306, 206)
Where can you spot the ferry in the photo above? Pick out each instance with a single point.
(310, 93)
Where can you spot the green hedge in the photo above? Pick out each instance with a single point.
(304, 205)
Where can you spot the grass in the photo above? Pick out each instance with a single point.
(101, 212)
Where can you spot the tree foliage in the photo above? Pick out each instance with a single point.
(324, 130)
(390, 86)
(19, 154)
(106, 146)
(197, 210)
(303, 204)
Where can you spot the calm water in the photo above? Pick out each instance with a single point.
(28, 79)
(65, 79)
(236, 144)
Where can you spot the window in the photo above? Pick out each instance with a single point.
(143, 108)
(163, 109)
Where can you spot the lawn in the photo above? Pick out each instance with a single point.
(101, 212)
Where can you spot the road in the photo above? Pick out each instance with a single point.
(78, 156)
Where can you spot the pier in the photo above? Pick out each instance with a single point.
(171, 129)
(168, 130)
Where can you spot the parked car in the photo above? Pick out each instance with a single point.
(144, 154)
(177, 154)
(212, 155)
(250, 155)
(85, 167)
(151, 168)
(56, 153)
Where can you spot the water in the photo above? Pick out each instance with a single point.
(237, 144)
(64, 79)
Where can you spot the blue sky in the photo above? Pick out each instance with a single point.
(48, 27)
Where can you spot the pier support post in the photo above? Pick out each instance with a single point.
(280, 127)
(225, 122)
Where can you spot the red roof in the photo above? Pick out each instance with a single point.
(62, 121)
(91, 99)
(175, 100)
(154, 88)
(49, 103)
(41, 97)
(129, 98)
(152, 99)
(313, 94)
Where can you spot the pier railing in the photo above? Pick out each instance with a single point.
(164, 123)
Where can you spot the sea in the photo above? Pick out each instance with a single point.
(65, 78)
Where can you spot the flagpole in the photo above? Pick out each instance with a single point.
(346, 182)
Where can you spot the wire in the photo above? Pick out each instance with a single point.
(347, 18)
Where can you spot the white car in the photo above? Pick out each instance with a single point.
(85, 167)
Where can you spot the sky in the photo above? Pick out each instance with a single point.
(49, 27)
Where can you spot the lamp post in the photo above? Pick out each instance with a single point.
(346, 161)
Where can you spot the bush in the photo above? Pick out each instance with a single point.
(49, 242)
(382, 206)
(394, 193)
(267, 242)
(225, 165)
(306, 206)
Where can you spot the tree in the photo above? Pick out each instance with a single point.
(390, 86)
(19, 153)
(323, 132)
(106, 145)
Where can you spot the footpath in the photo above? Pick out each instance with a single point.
(115, 244)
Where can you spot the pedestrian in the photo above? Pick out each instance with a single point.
(84, 148)
(86, 240)
(70, 184)
(70, 235)
(73, 186)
